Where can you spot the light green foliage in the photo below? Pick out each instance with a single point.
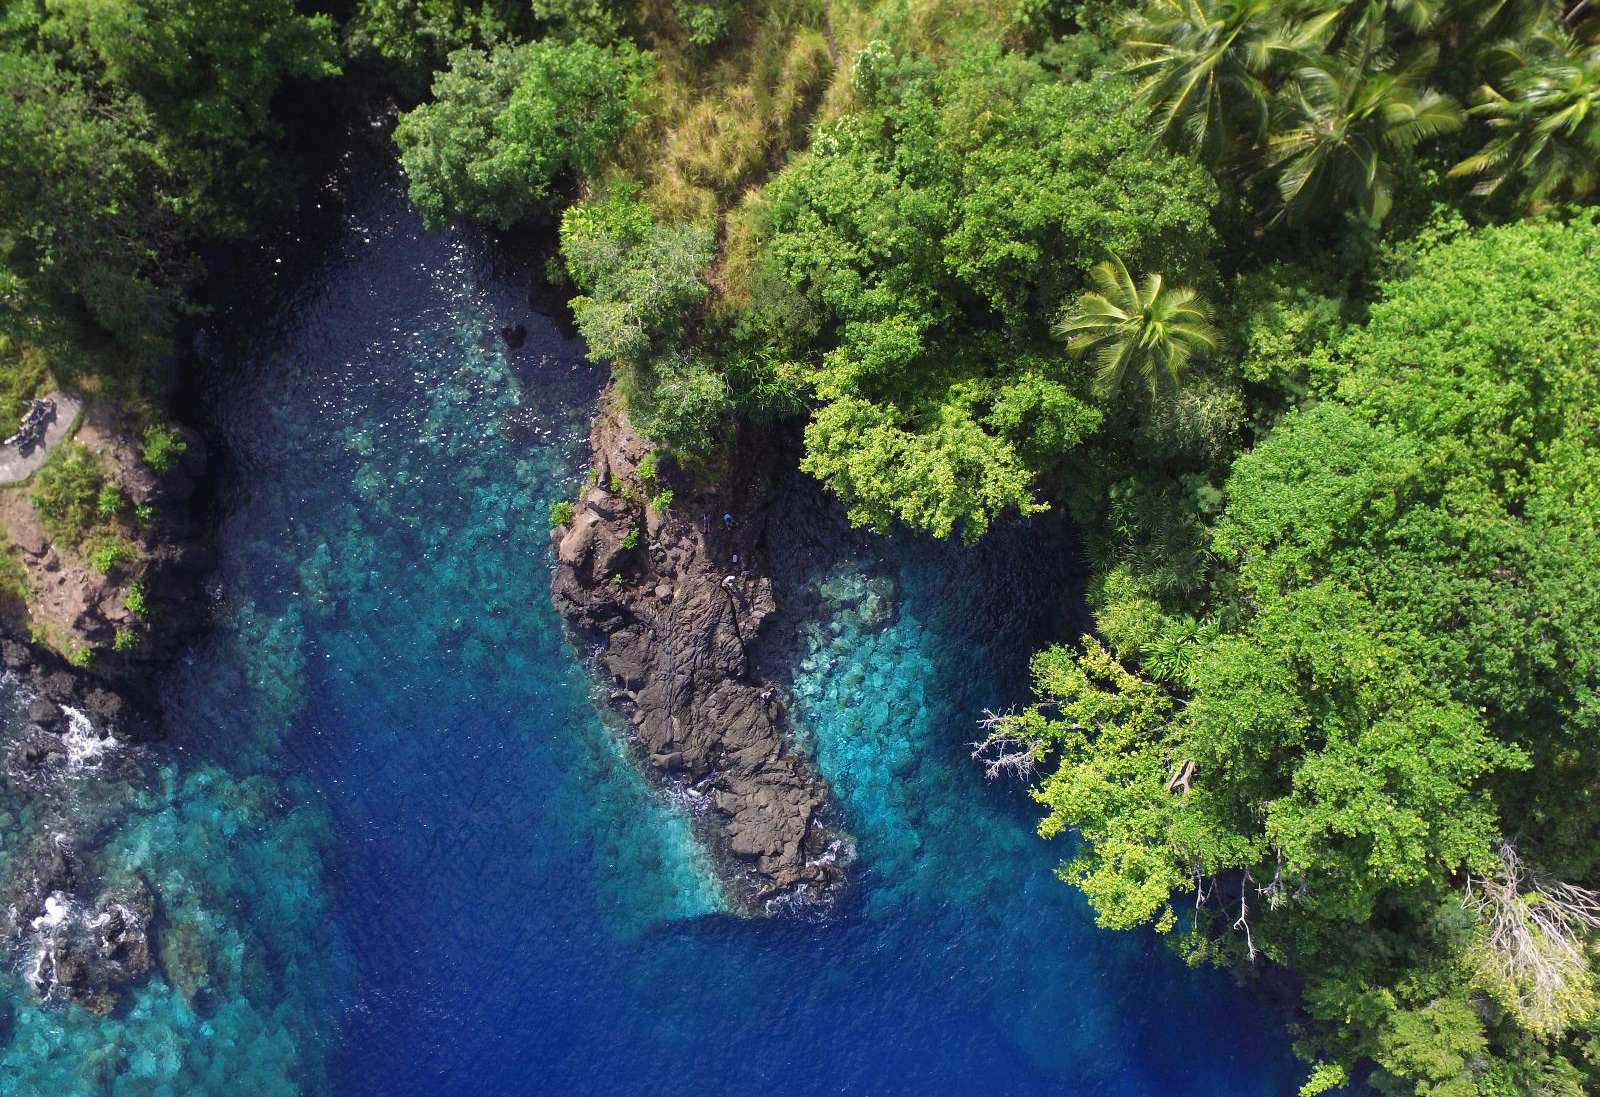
(110, 502)
(162, 448)
(66, 492)
(110, 550)
(124, 641)
(935, 232)
(1394, 668)
(639, 277)
(647, 467)
(661, 502)
(504, 126)
(705, 20)
(1278, 316)
(561, 513)
(631, 540)
(134, 598)
(1148, 330)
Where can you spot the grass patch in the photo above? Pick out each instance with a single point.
(66, 492)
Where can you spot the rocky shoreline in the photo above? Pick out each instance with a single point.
(671, 602)
(82, 938)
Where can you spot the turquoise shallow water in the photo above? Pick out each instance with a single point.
(400, 854)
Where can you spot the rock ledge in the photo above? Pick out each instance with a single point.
(672, 603)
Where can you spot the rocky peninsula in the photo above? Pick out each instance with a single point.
(663, 578)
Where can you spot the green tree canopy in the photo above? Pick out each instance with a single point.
(935, 232)
(1394, 669)
(505, 125)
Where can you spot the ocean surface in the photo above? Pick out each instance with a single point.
(401, 855)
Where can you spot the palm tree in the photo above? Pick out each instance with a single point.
(1151, 330)
(1546, 124)
(1341, 118)
(1207, 65)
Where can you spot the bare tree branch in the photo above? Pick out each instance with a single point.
(1536, 934)
(1002, 750)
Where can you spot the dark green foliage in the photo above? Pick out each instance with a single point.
(936, 232)
(1544, 114)
(505, 125)
(131, 129)
(1393, 671)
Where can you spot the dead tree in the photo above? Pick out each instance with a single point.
(1535, 934)
(1002, 750)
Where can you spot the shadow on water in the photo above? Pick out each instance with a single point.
(490, 899)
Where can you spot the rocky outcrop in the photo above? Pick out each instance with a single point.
(672, 602)
(85, 952)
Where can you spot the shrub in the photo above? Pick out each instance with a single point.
(662, 501)
(561, 513)
(66, 492)
(647, 467)
(110, 501)
(632, 539)
(134, 599)
(163, 448)
(110, 550)
(505, 125)
(124, 641)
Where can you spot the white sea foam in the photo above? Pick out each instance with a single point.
(57, 909)
(85, 747)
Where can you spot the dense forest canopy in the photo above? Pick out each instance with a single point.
(1293, 305)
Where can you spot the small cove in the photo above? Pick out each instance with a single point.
(420, 862)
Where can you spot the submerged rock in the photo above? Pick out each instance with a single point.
(90, 955)
(675, 602)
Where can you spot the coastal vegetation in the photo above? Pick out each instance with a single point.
(1292, 307)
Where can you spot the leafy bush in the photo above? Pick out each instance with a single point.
(505, 125)
(134, 598)
(561, 513)
(638, 277)
(109, 550)
(163, 448)
(124, 641)
(632, 538)
(662, 502)
(647, 467)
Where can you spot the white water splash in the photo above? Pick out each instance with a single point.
(85, 747)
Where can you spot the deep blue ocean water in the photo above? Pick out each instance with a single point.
(409, 859)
